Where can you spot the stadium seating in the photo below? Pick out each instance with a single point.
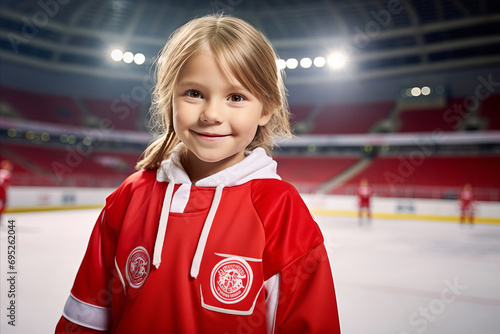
(123, 116)
(428, 176)
(58, 109)
(435, 177)
(300, 112)
(64, 166)
(124, 162)
(40, 107)
(431, 119)
(307, 173)
(490, 109)
(349, 118)
(23, 174)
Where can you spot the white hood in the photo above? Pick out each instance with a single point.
(257, 165)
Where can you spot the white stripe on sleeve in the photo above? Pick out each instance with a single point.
(272, 288)
(87, 315)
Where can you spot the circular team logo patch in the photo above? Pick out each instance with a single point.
(137, 268)
(231, 280)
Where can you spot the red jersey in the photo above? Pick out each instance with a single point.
(5, 177)
(364, 194)
(466, 199)
(236, 252)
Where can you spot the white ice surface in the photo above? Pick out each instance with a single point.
(389, 275)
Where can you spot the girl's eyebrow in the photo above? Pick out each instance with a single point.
(190, 83)
(238, 88)
(231, 87)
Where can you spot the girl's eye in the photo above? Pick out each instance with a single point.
(194, 94)
(236, 98)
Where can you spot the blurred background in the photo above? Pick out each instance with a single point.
(403, 94)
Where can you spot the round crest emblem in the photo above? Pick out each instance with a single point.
(137, 268)
(231, 280)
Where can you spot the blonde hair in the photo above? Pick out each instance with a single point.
(243, 52)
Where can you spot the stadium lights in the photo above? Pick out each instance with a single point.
(139, 59)
(292, 63)
(319, 61)
(128, 57)
(416, 91)
(12, 133)
(305, 62)
(281, 63)
(116, 55)
(422, 91)
(337, 60)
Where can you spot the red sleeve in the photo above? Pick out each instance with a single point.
(65, 326)
(307, 301)
(299, 278)
(87, 309)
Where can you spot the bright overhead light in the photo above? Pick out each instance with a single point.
(306, 62)
(139, 58)
(292, 63)
(116, 55)
(415, 91)
(281, 63)
(319, 61)
(337, 60)
(426, 90)
(128, 57)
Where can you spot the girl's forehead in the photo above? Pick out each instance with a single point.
(195, 66)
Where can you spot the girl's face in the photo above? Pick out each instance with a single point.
(214, 116)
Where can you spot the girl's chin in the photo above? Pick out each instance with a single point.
(217, 157)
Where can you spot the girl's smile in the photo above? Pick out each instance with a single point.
(209, 136)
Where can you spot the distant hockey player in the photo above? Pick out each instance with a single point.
(467, 204)
(5, 176)
(364, 194)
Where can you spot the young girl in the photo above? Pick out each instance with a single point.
(206, 238)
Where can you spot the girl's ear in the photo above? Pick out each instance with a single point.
(265, 116)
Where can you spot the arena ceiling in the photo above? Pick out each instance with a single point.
(380, 38)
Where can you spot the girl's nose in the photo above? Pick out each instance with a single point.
(212, 113)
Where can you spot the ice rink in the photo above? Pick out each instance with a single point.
(392, 276)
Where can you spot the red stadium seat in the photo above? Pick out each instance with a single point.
(45, 108)
(350, 118)
(308, 173)
(490, 109)
(431, 119)
(430, 176)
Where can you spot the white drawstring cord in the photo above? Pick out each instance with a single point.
(195, 267)
(160, 236)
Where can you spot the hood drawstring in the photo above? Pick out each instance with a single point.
(257, 165)
(195, 266)
(160, 236)
(162, 228)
